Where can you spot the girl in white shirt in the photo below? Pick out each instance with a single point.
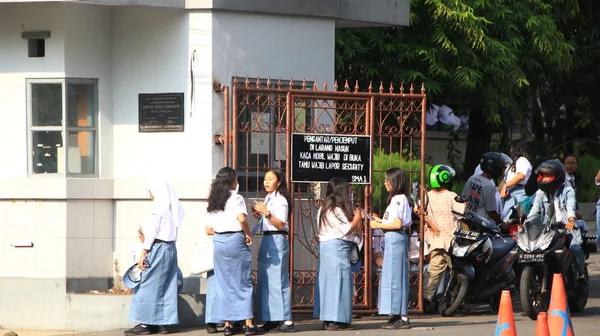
(273, 290)
(513, 185)
(394, 283)
(339, 224)
(228, 222)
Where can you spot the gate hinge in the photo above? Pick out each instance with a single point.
(219, 139)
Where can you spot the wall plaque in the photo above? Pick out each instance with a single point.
(161, 112)
(319, 157)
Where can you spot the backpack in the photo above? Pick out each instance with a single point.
(531, 186)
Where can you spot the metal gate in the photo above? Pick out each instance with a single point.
(257, 137)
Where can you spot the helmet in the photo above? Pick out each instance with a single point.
(492, 163)
(441, 176)
(555, 172)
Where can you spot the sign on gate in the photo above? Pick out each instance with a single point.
(320, 157)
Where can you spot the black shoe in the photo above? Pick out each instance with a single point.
(338, 326)
(238, 328)
(138, 330)
(399, 324)
(211, 328)
(270, 325)
(390, 321)
(326, 325)
(227, 331)
(162, 330)
(284, 328)
(254, 330)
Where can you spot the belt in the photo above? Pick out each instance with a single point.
(228, 232)
(272, 232)
(404, 228)
(158, 241)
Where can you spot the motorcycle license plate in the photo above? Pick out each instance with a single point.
(531, 258)
(472, 235)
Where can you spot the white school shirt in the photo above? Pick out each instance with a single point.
(226, 220)
(278, 207)
(336, 225)
(158, 227)
(522, 166)
(398, 208)
(413, 248)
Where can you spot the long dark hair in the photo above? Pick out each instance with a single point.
(400, 184)
(518, 149)
(219, 189)
(283, 189)
(337, 196)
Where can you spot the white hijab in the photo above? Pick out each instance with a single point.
(166, 201)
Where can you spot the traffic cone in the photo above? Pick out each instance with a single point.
(541, 326)
(559, 317)
(505, 325)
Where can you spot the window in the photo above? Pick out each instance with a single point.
(63, 114)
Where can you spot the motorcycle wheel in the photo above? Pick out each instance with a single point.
(577, 303)
(455, 295)
(530, 289)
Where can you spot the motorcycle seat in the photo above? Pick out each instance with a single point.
(501, 248)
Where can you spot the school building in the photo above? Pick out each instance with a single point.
(98, 97)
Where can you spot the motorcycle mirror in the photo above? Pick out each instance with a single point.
(460, 199)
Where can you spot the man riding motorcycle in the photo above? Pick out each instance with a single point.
(555, 203)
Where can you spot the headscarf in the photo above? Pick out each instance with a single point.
(166, 201)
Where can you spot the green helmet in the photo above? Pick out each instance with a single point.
(441, 176)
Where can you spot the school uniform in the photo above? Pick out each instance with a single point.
(334, 276)
(394, 284)
(273, 290)
(232, 261)
(154, 300)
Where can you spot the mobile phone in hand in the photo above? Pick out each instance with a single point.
(369, 217)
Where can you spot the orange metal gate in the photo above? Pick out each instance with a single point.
(259, 120)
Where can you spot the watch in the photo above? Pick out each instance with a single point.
(268, 216)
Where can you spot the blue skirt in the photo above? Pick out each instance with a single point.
(234, 281)
(394, 285)
(212, 302)
(273, 290)
(334, 281)
(154, 301)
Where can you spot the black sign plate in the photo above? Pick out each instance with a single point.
(531, 258)
(161, 112)
(320, 157)
(472, 235)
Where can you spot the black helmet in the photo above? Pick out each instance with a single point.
(441, 176)
(492, 163)
(556, 170)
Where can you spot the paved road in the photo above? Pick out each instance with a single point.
(477, 323)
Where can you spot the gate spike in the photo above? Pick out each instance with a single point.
(391, 87)
(380, 87)
(423, 88)
(356, 88)
(269, 82)
(315, 85)
(402, 88)
(235, 80)
(304, 84)
(370, 86)
(291, 83)
(258, 82)
(247, 82)
(325, 85)
(346, 86)
(412, 88)
(279, 83)
(335, 85)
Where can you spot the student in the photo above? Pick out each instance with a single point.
(228, 223)
(339, 224)
(273, 290)
(555, 202)
(441, 224)
(394, 283)
(513, 185)
(154, 303)
(480, 190)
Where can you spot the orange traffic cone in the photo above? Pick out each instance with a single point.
(559, 317)
(541, 326)
(505, 326)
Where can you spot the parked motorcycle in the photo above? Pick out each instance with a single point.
(482, 264)
(542, 252)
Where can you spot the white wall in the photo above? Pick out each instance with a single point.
(16, 66)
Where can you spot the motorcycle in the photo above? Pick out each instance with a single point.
(542, 251)
(482, 264)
